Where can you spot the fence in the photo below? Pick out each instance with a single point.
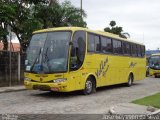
(11, 74)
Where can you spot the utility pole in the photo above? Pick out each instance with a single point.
(52, 2)
(81, 8)
(10, 55)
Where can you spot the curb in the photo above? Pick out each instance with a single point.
(12, 90)
(112, 111)
(155, 112)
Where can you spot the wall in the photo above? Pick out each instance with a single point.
(16, 63)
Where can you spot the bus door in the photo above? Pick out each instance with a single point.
(77, 55)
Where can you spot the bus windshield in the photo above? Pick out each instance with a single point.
(154, 62)
(48, 52)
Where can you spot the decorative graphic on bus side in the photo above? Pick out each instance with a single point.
(103, 69)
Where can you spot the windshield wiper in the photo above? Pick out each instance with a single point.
(36, 59)
(46, 58)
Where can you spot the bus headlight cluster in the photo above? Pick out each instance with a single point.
(59, 80)
(27, 79)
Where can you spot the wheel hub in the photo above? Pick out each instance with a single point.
(89, 86)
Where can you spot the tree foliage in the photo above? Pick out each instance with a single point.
(57, 15)
(26, 16)
(116, 30)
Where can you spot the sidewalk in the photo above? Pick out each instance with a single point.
(130, 108)
(12, 88)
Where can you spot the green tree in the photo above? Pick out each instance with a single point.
(6, 12)
(58, 15)
(26, 16)
(16, 14)
(116, 30)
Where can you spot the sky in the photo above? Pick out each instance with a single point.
(140, 18)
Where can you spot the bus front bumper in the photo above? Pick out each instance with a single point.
(154, 72)
(59, 87)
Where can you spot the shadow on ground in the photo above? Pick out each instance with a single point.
(51, 94)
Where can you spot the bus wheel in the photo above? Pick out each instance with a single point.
(90, 86)
(130, 80)
(156, 76)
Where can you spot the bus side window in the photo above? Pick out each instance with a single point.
(94, 44)
(126, 48)
(139, 50)
(91, 43)
(109, 45)
(142, 51)
(103, 44)
(78, 50)
(97, 43)
(117, 46)
(134, 50)
(106, 45)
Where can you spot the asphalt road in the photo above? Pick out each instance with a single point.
(38, 102)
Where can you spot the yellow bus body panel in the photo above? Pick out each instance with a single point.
(108, 69)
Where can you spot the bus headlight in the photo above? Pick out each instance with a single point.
(59, 80)
(27, 79)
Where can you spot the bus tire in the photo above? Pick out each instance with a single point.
(130, 80)
(90, 86)
(156, 76)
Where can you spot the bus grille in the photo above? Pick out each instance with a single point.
(41, 87)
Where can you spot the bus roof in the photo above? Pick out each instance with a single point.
(107, 34)
(157, 54)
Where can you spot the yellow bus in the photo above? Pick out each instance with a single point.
(66, 59)
(154, 65)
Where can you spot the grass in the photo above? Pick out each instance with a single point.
(153, 100)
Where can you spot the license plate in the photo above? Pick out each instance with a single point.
(41, 87)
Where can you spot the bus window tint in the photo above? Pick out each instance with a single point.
(97, 43)
(126, 48)
(109, 45)
(139, 50)
(142, 51)
(106, 45)
(91, 44)
(103, 44)
(134, 50)
(117, 47)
